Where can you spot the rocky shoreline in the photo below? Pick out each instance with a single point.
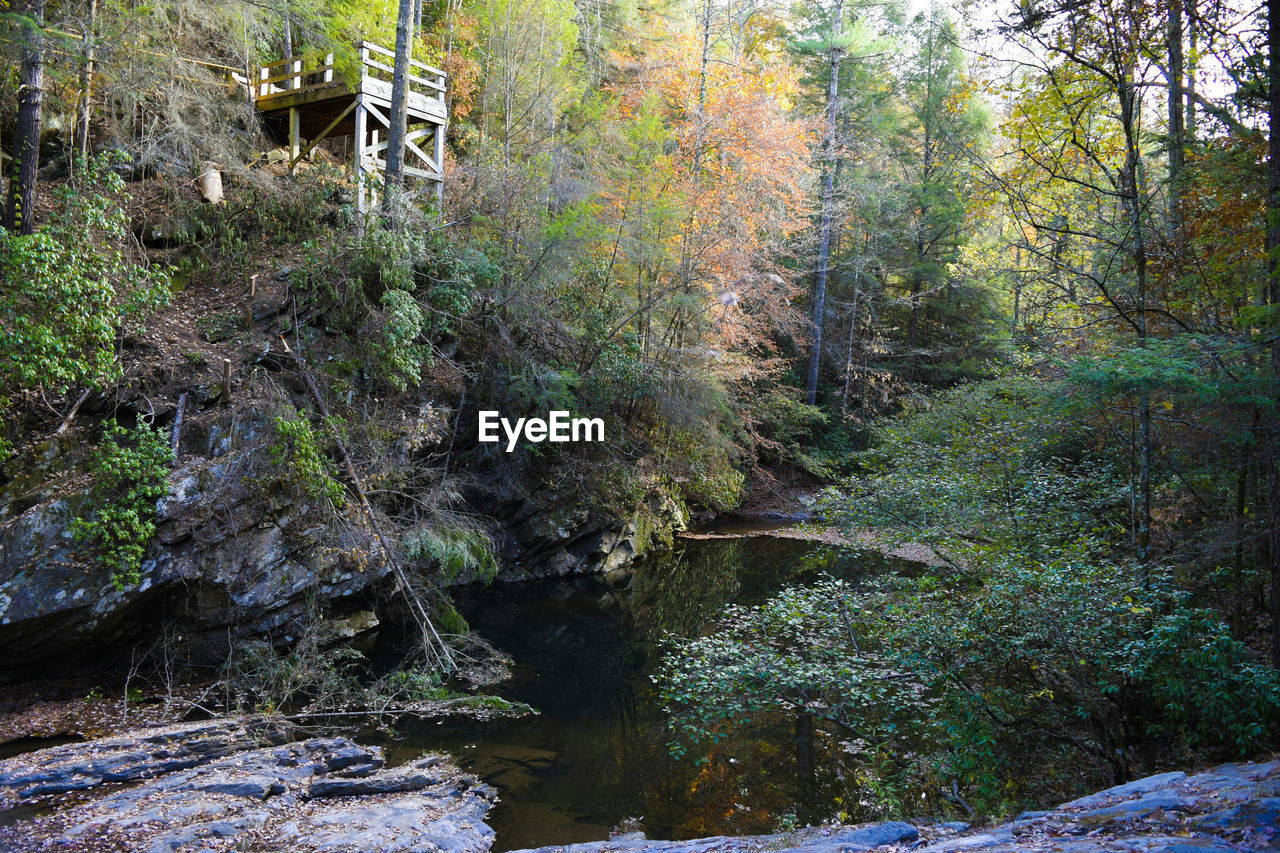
(260, 784)
(250, 784)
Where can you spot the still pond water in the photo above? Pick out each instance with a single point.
(596, 755)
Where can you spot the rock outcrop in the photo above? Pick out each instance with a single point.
(241, 552)
(1235, 807)
(549, 535)
(241, 785)
(235, 555)
(840, 839)
(138, 755)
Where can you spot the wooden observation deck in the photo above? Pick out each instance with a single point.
(307, 105)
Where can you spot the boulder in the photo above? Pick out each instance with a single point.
(1123, 792)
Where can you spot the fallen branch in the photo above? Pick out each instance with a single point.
(175, 435)
(71, 415)
(432, 642)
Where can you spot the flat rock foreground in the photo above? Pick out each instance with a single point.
(257, 784)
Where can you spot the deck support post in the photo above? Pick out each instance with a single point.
(357, 156)
(439, 155)
(295, 136)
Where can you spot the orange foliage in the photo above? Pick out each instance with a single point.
(742, 174)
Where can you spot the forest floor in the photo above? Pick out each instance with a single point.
(90, 706)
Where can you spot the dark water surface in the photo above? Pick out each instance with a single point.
(596, 755)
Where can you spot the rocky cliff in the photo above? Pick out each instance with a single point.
(240, 552)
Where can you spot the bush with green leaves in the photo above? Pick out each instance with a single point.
(391, 290)
(69, 289)
(129, 470)
(781, 429)
(1035, 659)
(1016, 680)
(299, 459)
(988, 466)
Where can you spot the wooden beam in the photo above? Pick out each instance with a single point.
(280, 100)
(323, 134)
(377, 113)
(377, 48)
(437, 142)
(412, 78)
(422, 155)
(413, 135)
(295, 75)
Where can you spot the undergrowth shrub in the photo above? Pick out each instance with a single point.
(454, 545)
(301, 463)
(71, 287)
(129, 470)
(391, 292)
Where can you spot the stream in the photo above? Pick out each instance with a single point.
(596, 757)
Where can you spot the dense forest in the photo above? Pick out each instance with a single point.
(992, 285)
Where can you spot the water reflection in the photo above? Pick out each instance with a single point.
(597, 756)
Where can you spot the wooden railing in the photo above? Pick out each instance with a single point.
(289, 76)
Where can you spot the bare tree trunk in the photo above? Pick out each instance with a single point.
(399, 105)
(19, 213)
(1017, 287)
(1273, 289)
(86, 79)
(1193, 42)
(804, 766)
(288, 45)
(1237, 573)
(1132, 192)
(1177, 128)
(828, 202)
(686, 250)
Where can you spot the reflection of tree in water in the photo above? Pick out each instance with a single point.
(684, 592)
(600, 744)
(679, 594)
(774, 767)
